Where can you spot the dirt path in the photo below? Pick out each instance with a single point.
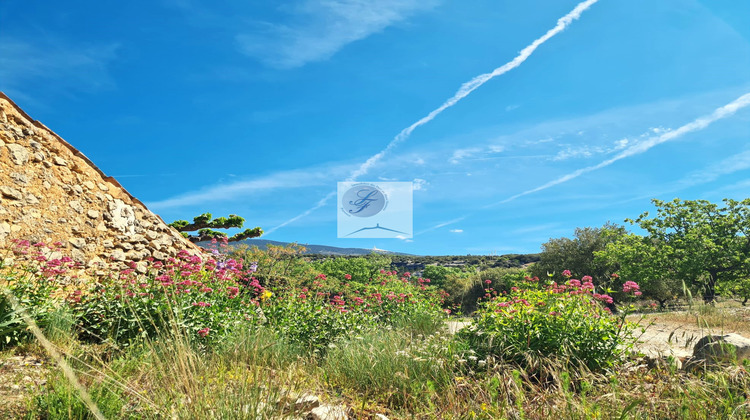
(676, 333)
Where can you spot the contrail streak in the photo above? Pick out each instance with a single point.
(462, 92)
(698, 124)
(474, 84)
(320, 204)
(695, 125)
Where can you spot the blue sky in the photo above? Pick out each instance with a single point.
(260, 108)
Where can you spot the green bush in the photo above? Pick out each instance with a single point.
(358, 269)
(566, 322)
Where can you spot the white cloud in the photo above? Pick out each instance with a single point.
(461, 154)
(319, 29)
(457, 231)
(419, 184)
(301, 178)
(645, 145)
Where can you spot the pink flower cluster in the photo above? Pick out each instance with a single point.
(631, 287)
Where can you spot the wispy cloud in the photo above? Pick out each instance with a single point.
(730, 165)
(320, 204)
(420, 184)
(319, 29)
(457, 231)
(55, 64)
(587, 151)
(466, 89)
(643, 146)
(736, 163)
(442, 224)
(301, 178)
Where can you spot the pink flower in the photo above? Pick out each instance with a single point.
(201, 304)
(586, 279)
(348, 276)
(567, 273)
(630, 286)
(488, 281)
(204, 332)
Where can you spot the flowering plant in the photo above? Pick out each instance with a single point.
(568, 321)
(204, 297)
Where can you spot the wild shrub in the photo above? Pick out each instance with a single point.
(563, 321)
(33, 285)
(206, 298)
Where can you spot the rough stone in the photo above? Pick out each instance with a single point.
(117, 255)
(9, 192)
(59, 161)
(722, 348)
(18, 154)
(92, 214)
(88, 184)
(19, 178)
(126, 246)
(306, 402)
(328, 412)
(77, 242)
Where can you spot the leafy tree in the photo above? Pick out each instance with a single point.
(700, 242)
(635, 259)
(577, 254)
(439, 275)
(204, 225)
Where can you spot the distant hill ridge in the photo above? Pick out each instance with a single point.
(312, 249)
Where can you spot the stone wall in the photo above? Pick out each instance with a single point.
(50, 192)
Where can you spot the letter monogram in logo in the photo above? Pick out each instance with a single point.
(363, 200)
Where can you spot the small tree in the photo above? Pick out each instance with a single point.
(700, 242)
(577, 254)
(637, 259)
(204, 225)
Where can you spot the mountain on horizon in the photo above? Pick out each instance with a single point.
(312, 249)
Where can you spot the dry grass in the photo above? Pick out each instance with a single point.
(726, 317)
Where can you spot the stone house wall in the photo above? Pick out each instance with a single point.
(50, 192)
